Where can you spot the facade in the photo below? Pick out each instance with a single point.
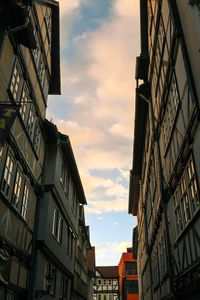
(81, 284)
(106, 283)
(29, 52)
(91, 263)
(58, 231)
(164, 181)
(128, 279)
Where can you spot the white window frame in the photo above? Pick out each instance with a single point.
(15, 81)
(8, 173)
(17, 189)
(189, 198)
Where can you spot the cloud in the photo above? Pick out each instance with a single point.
(98, 85)
(122, 130)
(99, 207)
(67, 7)
(126, 8)
(103, 251)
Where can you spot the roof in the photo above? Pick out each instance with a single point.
(69, 155)
(91, 259)
(53, 137)
(108, 271)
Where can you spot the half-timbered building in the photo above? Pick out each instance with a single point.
(29, 71)
(106, 283)
(165, 176)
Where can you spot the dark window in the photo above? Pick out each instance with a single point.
(64, 287)
(131, 268)
(57, 226)
(49, 283)
(132, 287)
(64, 179)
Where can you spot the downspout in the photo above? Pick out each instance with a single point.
(144, 59)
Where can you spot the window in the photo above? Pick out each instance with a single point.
(192, 186)
(10, 295)
(75, 203)
(49, 283)
(55, 222)
(171, 110)
(15, 81)
(70, 241)
(25, 201)
(99, 281)
(31, 122)
(60, 229)
(132, 286)
(36, 52)
(41, 71)
(186, 197)
(64, 287)
(24, 102)
(185, 200)
(17, 189)
(8, 172)
(64, 179)
(131, 268)
(174, 93)
(71, 190)
(37, 136)
(57, 227)
(48, 23)
(177, 212)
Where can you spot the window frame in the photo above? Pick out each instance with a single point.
(8, 174)
(186, 198)
(25, 200)
(17, 189)
(15, 81)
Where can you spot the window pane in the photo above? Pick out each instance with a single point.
(17, 189)
(8, 172)
(25, 201)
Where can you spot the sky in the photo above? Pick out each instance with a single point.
(99, 43)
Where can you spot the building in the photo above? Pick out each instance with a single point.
(58, 232)
(164, 180)
(81, 283)
(91, 263)
(106, 283)
(128, 279)
(29, 71)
